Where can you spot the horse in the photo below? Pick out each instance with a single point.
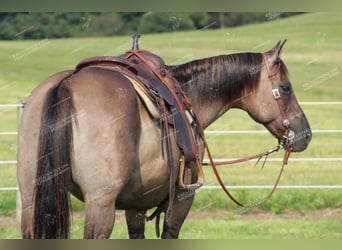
(86, 133)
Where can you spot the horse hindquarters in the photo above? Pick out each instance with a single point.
(105, 125)
(105, 143)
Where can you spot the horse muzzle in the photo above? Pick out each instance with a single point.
(288, 140)
(296, 141)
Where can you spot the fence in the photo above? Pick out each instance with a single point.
(20, 107)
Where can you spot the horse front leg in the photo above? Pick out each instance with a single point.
(135, 223)
(181, 207)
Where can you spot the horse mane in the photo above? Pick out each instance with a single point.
(230, 76)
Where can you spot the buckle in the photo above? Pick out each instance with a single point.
(276, 93)
(286, 123)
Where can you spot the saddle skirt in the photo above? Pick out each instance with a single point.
(145, 96)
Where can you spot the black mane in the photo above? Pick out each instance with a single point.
(224, 75)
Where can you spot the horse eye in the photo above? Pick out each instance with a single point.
(286, 88)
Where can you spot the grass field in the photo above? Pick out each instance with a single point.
(313, 55)
(225, 225)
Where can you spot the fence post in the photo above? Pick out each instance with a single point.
(18, 198)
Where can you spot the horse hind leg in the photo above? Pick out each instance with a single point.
(135, 223)
(100, 207)
(27, 220)
(100, 216)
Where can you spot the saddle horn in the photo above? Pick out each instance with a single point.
(135, 41)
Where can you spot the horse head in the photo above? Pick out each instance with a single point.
(274, 104)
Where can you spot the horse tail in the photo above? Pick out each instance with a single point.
(53, 180)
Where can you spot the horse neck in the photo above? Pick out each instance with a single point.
(216, 84)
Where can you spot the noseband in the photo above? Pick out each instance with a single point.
(286, 141)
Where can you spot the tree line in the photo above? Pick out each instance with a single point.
(16, 26)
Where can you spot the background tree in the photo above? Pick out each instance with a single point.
(23, 25)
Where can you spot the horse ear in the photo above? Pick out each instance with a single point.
(275, 53)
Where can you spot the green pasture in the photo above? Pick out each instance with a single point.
(313, 55)
(228, 226)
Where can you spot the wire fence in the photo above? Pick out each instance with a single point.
(20, 107)
(317, 159)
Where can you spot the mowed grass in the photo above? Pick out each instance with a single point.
(225, 226)
(313, 56)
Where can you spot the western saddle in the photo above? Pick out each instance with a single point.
(154, 84)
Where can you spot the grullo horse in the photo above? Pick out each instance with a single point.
(87, 133)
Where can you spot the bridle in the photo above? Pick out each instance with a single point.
(286, 141)
(288, 136)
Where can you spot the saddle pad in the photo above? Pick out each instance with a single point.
(145, 97)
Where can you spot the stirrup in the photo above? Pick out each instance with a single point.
(200, 175)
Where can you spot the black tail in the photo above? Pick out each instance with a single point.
(53, 180)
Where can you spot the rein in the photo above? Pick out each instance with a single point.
(288, 138)
(219, 179)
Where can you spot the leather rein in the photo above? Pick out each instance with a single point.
(287, 140)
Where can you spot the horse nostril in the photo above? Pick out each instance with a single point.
(308, 135)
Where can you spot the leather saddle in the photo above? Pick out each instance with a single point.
(174, 107)
(134, 65)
